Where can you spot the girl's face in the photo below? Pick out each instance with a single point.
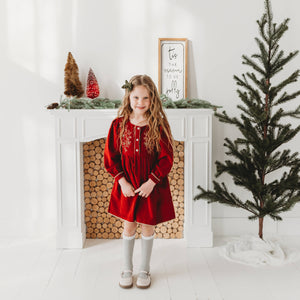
(139, 100)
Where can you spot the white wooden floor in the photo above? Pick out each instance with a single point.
(37, 270)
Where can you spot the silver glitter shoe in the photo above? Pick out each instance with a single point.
(126, 279)
(143, 280)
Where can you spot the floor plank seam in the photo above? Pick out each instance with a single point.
(169, 290)
(77, 265)
(190, 276)
(211, 273)
(29, 272)
(53, 271)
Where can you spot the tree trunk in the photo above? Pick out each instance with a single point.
(260, 232)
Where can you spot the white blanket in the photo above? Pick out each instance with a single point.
(251, 250)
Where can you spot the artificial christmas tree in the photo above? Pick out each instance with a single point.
(256, 154)
(92, 88)
(73, 86)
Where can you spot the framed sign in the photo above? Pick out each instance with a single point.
(172, 67)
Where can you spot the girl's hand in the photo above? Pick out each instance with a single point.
(146, 188)
(127, 188)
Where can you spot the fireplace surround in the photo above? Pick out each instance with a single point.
(74, 127)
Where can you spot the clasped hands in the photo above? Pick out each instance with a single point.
(144, 190)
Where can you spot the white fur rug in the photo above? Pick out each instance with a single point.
(253, 251)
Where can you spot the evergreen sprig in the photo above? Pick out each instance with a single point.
(256, 153)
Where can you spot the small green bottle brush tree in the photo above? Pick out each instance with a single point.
(256, 153)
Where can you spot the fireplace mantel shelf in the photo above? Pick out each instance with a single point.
(74, 127)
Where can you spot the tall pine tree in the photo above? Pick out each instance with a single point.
(256, 153)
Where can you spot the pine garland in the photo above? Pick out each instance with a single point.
(105, 103)
(86, 103)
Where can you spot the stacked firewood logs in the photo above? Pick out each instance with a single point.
(97, 188)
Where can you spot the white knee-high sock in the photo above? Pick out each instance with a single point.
(128, 245)
(147, 245)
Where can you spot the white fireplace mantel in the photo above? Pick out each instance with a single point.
(72, 128)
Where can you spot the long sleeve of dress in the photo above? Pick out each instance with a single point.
(112, 155)
(164, 161)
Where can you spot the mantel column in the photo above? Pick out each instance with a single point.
(70, 219)
(198, 218)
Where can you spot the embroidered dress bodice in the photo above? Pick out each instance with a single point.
(137, 164)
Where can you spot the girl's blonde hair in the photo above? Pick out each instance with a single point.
(154, 115)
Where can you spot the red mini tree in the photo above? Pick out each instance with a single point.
(92, 88)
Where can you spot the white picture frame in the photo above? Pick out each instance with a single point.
(172, 67)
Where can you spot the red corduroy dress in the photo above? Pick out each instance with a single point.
(137, 165)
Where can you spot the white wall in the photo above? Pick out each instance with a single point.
(117, 39)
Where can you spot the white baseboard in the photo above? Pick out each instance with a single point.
(237, 226)
(220, 227)
(33, 229)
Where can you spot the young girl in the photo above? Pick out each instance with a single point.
(139, 155)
